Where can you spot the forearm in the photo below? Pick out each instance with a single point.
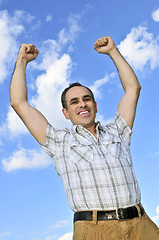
(18, 88)
(128, 103)
(127, 76)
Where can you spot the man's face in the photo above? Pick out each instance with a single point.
(81, 109)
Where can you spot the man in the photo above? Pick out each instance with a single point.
(93, 161)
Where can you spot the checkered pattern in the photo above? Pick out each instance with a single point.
(96, 173)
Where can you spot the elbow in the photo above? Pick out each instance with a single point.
(14, 106)
(18, 106)
(138, 88)
(134, 90)
(13, 103)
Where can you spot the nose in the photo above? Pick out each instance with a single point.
(82, 104)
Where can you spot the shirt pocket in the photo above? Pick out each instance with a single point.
(117, 152)
(112, 145)
(81, 153)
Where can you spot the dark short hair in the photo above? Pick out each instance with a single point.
(76, 84)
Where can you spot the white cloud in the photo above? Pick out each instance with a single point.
(140, 48)
(59, 224)
(26, 159)
(12, 127)
(67, 236)
(14, 124)
(10, 29)
(103, 121)
(69, 35)
(99, 83)
(49, 53)
(48, 18)
(156, 218)
(5, 234)
(155, 15)
(50, 232)
(23, 16)
(156, 153)
(49, 87)
(50, 237)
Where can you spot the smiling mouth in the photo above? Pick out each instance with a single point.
(84, 112)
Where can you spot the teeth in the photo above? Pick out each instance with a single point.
(81, 113)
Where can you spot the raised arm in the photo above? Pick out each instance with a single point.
(32, 118)
(131, 86)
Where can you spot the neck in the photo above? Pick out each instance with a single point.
(92, 129)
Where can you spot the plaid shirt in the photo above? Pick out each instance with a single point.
(96, 173)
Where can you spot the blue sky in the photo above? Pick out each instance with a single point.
(33, 205)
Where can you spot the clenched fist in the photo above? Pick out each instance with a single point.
(104, 45)
(28, 52)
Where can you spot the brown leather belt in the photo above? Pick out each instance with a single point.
(119, 214)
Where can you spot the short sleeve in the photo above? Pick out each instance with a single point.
(49, 146)
(123, 128)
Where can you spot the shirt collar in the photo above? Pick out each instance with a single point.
(81, 132)
(79, 128)
(99, 127)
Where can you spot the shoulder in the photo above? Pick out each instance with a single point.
(55, 135)
(119, 128)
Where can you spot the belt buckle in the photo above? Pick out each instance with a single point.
(118, 214)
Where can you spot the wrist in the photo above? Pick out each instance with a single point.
(21, 62)
(113, 52)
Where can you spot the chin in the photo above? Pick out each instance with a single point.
(84, 123)
(87, 125)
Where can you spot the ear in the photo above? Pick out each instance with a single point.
(65, 112)
(96, 107)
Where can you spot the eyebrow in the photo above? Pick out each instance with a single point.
(85, 96)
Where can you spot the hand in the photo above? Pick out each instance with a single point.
(104, 45)
(28, 52)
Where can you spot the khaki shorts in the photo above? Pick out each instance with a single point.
(140, 228)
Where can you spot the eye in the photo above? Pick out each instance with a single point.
(74, 102)
(87, 99)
